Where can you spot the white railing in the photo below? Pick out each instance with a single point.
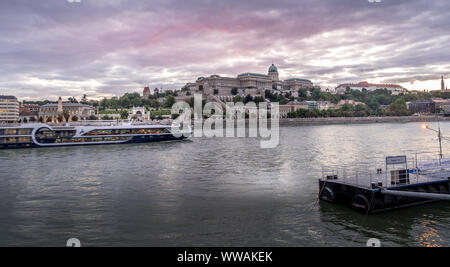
(366, 174)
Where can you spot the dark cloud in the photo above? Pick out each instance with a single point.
(104, 47)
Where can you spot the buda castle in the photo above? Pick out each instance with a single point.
(253, 84)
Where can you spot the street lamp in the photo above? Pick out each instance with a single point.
(439, 136)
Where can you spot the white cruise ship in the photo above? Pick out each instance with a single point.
(43, 135)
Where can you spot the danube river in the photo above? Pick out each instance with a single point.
(210, 192)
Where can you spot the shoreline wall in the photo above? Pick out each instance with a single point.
(360, 120)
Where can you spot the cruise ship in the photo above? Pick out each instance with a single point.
(43, 135)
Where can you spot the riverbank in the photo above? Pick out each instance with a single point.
(359, 120)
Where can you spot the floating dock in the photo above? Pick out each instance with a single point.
(395, 186)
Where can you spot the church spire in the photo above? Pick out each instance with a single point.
(60, 105)
(442, 83)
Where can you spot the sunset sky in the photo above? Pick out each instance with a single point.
(56, 48)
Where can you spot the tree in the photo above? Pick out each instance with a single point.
(73, 100)
(74, 118)
(49, 119)
(66, 115)
(216, 91)
(302, 93)
(169, 101)
(92, 118)
(124, 114)
(399, 108)
(237, 98)
(234, 91)
(60, 118)
(248, 98)
(25, 120)
(41, 119)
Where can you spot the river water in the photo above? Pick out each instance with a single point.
(210, 192)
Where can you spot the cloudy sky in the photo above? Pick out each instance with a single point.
(50, 48)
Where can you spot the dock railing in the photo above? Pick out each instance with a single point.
(420, 168)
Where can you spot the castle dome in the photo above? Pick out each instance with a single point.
(273, 68)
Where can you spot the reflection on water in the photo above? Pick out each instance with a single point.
(210, 192)
(429, 236)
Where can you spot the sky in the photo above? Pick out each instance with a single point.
(52, 48)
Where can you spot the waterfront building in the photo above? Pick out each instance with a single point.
(52, 112)
(28, 116)
(284, 110)
(440, 103)
(29, 107)
(9, 109)
(325, 105)
(295, 105)
(248, 83)
(394, 88)
(348, 102)
(422, 107)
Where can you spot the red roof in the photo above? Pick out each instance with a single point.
(367, 84)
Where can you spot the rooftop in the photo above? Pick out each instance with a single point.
(273, 68)
(66, 105)
(367, 84)
(9, 97)
(253, 74)
(297, 79)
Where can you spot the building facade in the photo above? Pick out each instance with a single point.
(9, 109)
(307, 105)
(53, 112)
(248, 83)
(394, 88)
(422, 107)
(139, 113)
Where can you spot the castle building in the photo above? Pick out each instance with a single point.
(51, 112)
(248, 83)
(394, 88)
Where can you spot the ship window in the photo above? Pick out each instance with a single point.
(24, 140)
(10, 131)
(24, 131)
(10, 140)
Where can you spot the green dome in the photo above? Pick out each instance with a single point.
(273, 68)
